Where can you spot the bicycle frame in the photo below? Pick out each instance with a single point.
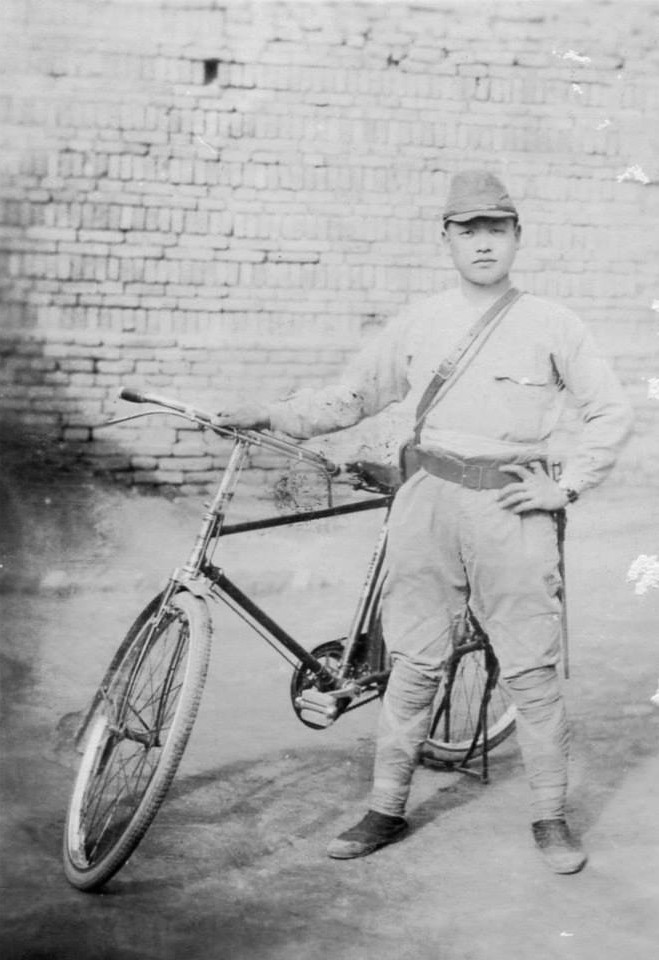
(205, 579)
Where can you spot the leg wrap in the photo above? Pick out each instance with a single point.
(403, 726)
(542, 733)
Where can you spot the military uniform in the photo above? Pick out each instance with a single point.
(451, 541)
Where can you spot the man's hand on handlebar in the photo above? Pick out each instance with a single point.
(369, 475)
(246, 416)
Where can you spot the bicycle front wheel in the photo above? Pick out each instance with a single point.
(135, 737)
(457, 708)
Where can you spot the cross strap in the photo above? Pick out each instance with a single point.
(446, 369)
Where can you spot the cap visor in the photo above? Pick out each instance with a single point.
(475, 214)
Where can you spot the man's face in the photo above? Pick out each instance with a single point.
(483, 250)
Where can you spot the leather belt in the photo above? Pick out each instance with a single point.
(468, 473)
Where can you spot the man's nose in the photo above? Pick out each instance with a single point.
(483, 242)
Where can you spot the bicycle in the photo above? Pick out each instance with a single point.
(136, 728)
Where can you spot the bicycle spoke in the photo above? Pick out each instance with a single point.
(116, 788)
(471, 696)
(157, 695)
(96, 795)
(150, 705)
(127, 792)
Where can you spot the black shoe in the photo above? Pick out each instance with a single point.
(561, 852)
(374, 831)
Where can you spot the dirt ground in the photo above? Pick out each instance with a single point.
(234, 867)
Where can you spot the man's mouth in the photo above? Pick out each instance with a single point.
(485, 261)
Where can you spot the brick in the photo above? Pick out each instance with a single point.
(189, 250)
(76, 434)
(298, 222)
(100, 236)
(76, 365)
(173, 477)
(137, 252)
(147, 477)
(144, 463)
(187, 464)
(115, 366)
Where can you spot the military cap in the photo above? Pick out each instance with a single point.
(477, 193)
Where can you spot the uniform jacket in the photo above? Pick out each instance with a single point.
(506, 403)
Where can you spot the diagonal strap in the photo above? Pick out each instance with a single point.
(447, 367)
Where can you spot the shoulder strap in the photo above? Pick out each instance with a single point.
(448, 366)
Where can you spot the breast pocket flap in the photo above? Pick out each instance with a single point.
(524, 376)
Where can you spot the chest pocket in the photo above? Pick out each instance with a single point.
(527, 369)
(525, 391)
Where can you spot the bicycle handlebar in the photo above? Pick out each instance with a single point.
(136, 396)
(133, 396)
(256, 437)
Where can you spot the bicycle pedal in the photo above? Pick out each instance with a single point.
(320, 706)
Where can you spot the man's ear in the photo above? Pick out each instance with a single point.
(518, 235)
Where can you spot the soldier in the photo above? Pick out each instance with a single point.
(475, 523)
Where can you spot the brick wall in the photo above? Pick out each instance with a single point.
(214, 199)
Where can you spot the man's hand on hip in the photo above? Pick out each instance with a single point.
(246, 416)
(535, 490)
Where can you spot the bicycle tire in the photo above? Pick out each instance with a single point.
(126, 771)
(456, 709)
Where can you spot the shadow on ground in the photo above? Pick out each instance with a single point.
(234, 866)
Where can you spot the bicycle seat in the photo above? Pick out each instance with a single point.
(374, 477)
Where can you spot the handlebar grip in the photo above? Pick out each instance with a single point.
(133, 396)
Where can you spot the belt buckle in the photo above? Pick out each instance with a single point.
(472, 476)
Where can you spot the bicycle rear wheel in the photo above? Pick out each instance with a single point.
(135, 737)
(456, 712)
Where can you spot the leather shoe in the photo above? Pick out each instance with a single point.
(561, 852)
(375, 830)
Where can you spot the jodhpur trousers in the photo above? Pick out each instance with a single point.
(449, 545)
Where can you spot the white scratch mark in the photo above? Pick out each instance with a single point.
(655, 305)
(572, 55)
(577, 88)
(655, 697)
(633, 173)
(564, 933)
(603, 124)
(205, 144)
(644, 571)
(653, 388)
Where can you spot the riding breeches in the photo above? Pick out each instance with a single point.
(449, 545)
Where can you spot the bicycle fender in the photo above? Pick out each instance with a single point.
(197, 584)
